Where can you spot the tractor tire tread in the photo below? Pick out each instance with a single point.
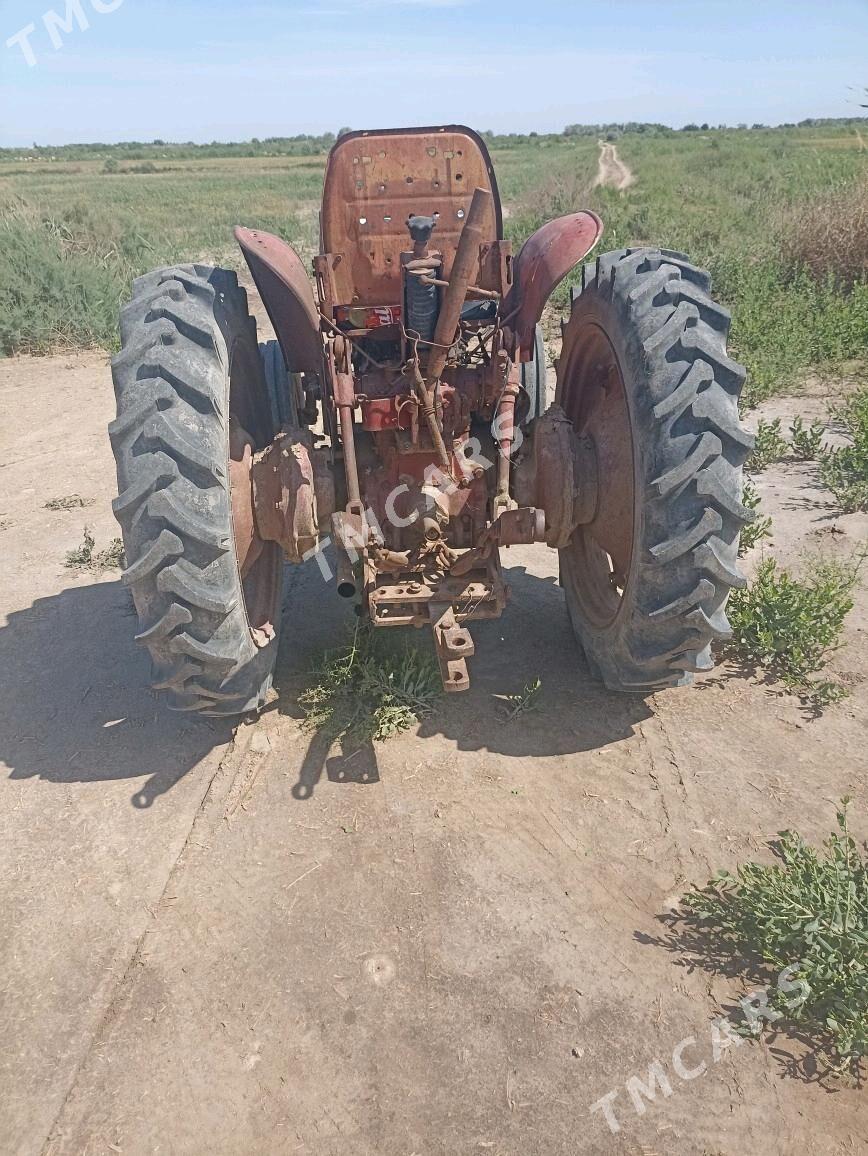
(169, 439)
(684, 408)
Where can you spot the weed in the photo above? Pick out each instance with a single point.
(806, 440)
(758, 528)
(807, 914)
(790, 627)
(370, 689)
(84, 557)
(111, 558)
(828, 236)
(770, 446)
(68, 502)
(844, 470)
(528, 700)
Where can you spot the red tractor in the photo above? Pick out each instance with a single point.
(401, 419)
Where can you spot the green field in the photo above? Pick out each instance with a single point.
(748, 204)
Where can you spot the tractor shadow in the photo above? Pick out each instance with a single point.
(75, 705)
(572, 713)
(74, 700)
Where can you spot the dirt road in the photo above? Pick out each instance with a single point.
(455, 943)
(612, 170)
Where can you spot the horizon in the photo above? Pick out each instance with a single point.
(331, 135)
(93, 70)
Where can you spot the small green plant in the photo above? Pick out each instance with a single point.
(370, 689)
(805, 916)
(806, 440)
(528, 700)
(845, 469)
(111, 167)
(770, 446)
(790, 627)
(758, 528)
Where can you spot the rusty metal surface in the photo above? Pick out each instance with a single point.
(592, 393)
(293, 492)
(248, 543)
(558, 472)
(453, 645)
(545, 259)
(465, 269)
(375, 180)
(406, 599)
(287, 294)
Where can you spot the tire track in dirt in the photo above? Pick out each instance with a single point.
(611, 170)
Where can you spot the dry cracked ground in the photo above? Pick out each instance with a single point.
(219, 941)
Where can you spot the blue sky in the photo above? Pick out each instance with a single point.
(222, 69)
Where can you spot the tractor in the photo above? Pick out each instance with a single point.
(397, 433)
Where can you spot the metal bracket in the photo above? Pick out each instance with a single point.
(454, 646)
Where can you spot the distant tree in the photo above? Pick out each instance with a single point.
(343, 132)
(704, 127)
(691, 128)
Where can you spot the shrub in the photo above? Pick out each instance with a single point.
(807, 440)
(758, 528)
(828, 236)
(806, 916)
(845, 469)
(770, 446)
(790, 627)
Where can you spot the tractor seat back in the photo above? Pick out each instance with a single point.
(375, 180)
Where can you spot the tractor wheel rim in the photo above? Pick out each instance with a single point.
(601, 551)
(251, 429)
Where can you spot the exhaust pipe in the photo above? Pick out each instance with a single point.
(346, 578)
(464, 269)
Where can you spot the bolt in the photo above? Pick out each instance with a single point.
(414, 588)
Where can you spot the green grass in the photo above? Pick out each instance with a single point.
(72, 242)
(72, 235)
(804, 920)
(789, 627)
(725, 198)
(372, 688)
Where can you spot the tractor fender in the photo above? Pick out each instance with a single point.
(545, 259)
(287, 295)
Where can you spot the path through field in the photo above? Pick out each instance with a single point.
(248, 941)
(612, 170)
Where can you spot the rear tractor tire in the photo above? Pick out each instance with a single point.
(645, 373)
(189, 369)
